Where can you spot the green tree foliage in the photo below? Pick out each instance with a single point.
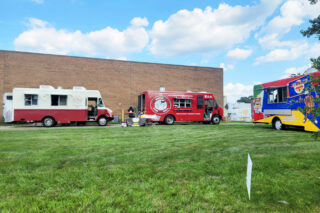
(313, 1)
(245, 99)
(315, 63)
(313, 30)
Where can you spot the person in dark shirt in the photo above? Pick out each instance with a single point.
(131, 112)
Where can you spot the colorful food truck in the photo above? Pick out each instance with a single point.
(169, 107)
(288, 102)
(51, 106)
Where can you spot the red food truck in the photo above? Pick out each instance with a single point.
(169, 107)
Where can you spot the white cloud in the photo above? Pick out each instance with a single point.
(122, 58)
(295, 70)
(289, 50)
(44, 38)
(272, 41)
(38, 1)
(226, 67)
(37, 23)
(314, 51)
(239, 54)
(208, 30)
(138, 22)
(292, 13)
(235, 91)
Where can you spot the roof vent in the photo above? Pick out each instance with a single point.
(59, 87)
(46, 87)
(189, 91)
(162, 89)
(79, 88)
(203, 92)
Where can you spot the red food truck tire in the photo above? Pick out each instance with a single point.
(216, 119)
(102, 121)
(169, 120)
(48, 122)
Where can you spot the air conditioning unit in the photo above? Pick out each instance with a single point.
(79, 88)
(46, 87)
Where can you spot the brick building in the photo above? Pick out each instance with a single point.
(119, 82)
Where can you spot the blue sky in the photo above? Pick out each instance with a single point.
(255, 41)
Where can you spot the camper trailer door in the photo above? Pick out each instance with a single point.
(7, 107)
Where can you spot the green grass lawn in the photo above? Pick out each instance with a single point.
(158, 168)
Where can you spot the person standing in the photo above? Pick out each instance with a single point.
(131, 112)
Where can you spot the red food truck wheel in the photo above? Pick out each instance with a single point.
(169, 120)
(48, 122)
(102, 121)
(216, 119)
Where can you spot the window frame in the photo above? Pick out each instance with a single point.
(200, 101)
(281, 95)
(34, 98)
(100, 103)
(59, 100)
(182, 103)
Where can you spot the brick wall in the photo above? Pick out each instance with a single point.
(119, 82)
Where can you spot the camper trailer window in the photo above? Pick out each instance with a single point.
(277, 95)
(30, 99)
(182, 103)
(58, 100)
(9, 97)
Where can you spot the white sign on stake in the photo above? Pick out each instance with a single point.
(249, 171)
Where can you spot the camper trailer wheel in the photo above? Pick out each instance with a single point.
(277, 124)
(169, 120)
(48, 122)
(216, 119)
(102, 121)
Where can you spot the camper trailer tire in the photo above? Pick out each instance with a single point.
(102, 121)
(48, 122)
(169, 120)
(216, 119)
(277, 125)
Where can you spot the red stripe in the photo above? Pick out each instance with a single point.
(60, 115)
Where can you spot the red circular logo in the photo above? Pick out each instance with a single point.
(160, 105)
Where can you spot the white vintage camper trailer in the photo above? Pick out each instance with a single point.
(51, 106)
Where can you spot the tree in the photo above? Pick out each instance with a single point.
(315, 63)
(313, 1)
(313, 30)
(245, 99)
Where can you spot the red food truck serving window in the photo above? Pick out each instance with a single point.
(160, 105)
